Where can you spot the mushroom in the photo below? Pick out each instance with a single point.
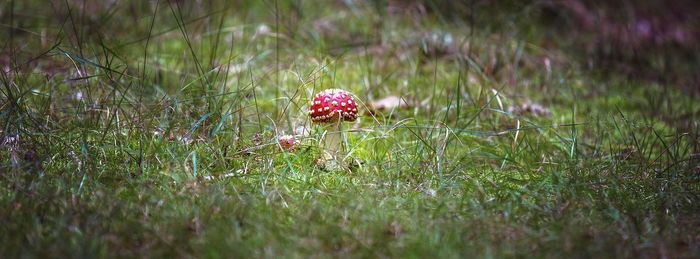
(331, 107)
(287, 142)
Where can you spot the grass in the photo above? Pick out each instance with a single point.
(149, 129)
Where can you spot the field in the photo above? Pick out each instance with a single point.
(150, 129)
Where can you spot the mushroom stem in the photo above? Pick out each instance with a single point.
(334, 140)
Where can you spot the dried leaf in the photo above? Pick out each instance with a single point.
(530, 108)
(389, 103)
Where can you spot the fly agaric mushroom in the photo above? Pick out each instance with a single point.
(331, 107)
(287, 142)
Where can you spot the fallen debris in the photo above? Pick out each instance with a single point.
(530, 108)
(388, 103)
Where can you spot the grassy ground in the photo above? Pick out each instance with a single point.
(148, 128)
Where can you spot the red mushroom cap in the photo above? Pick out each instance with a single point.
(332, 105)
(287, 142)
